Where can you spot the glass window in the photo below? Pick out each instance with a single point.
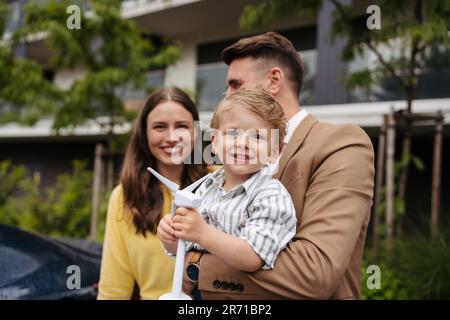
(13, 22)
(309, 58)
(211, 79)
(154, 79)
(432, 81)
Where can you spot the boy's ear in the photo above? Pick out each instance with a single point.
(213, 143)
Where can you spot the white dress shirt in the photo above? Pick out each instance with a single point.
(292, 124)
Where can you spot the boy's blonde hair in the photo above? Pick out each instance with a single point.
(258, 101)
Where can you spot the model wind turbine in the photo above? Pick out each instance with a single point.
(182, 198)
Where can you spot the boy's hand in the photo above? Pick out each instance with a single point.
(166, 231)
(188, 224)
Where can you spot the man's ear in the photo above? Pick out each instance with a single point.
(276, 80)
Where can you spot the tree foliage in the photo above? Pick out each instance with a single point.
(411, 30)
(113, 53)
(25, 94)
(63, 209)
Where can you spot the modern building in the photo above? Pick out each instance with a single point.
(203, 28)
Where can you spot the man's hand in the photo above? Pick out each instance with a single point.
(188, 224)
(188, 286)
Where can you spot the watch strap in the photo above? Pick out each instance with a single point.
(195, 258)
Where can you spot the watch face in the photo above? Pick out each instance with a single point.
(192, 272)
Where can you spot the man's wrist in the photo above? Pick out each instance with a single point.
(193, 266)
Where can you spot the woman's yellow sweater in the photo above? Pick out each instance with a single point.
(129, 257)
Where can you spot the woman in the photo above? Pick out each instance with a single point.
(132, 253)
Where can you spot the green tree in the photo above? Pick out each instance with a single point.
(114, 53)
(415, 31)
(14, 185)
(63, 209)
(67, 208)
(25, 95)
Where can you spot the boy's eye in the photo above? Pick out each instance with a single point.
(258, 136)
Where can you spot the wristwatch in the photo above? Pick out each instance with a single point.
(193, 267)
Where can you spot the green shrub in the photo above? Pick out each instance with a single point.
(425, 265)
(418, 268)
(67, 209)
(63, 209)
(17, 192)
(391, 285)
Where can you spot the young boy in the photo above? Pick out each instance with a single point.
(246, 217)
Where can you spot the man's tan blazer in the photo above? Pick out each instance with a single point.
(329, 172)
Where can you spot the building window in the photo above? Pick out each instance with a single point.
(13, 22)
(432, 81)
(212, 72)
(210, 85)
(307, 95)
(153, 80)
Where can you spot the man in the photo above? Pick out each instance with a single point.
(328, 171)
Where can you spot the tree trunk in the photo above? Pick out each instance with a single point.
(436, 182)
(406, 151)
(378, 187)
(96, 191)
(403, 181)
(110, 164)
(390, 157)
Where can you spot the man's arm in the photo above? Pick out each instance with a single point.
(336, 206)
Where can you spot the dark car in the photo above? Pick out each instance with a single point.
(37, 267)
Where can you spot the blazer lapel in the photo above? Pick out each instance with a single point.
(295, 142)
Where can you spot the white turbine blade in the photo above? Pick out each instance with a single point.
(169, 184)
(194, 185)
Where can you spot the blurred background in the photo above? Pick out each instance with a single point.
(70, 89)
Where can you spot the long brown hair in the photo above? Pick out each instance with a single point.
(142, 195)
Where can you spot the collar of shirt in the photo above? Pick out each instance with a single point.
(218, 179)
(293, 123)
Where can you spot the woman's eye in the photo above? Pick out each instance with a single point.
(159, 127)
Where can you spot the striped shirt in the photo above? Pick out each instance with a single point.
(260, 211)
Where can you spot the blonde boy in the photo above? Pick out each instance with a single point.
(246, 217)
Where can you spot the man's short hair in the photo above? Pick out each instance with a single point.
(269, 46)
(261, 103)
